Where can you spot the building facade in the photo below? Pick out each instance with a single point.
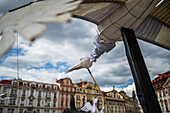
(66, 88)
(21, 96)
(115, 101)
(28, 97)
(131, 103)
(87, 92)
(161, 85)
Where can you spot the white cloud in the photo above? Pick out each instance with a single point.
(128, 90)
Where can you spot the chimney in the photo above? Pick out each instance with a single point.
(113, 87)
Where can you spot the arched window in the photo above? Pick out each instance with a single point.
(89, 87)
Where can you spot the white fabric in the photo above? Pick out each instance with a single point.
(94, 105)
(28, 20)
(84, 63)
(88, 107)
(100, 48)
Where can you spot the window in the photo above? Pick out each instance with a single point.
(67, 89)
(55, 95)
(78, 104)
(47, 103)
(22, 101)
(123, 110)
(67, 82)
(40, 86)
(115, 109)
(48, 95)
(89, 92)
(78, 97)
(100, 99)
(61, 103)
(39, 94)
(25, 84)
(15, 83)
(10, 111)
(168, 91)
(21, 111)
(66, 96)
(71, 90)
(62, 89)
(48, 87)
(1, 110)
(38, 103)
(54, 104)
(78, 90)
(32, 92)
(62, 96)
(89, 98)
(23, 92)
(164, 93)
(166, 106)
(84, 91)
(66, 104)
(46, 111)
(30, 102)
(112, 108)
(12, 101)
(160, 95)
(89, 87)
(162, 106)
(32, 85)
(114, 94)
(38, 111)
(119, 109)
(55, 87)
(14, 92)
(2, 101)
(4, 90)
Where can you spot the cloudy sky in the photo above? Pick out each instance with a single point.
(63, 44)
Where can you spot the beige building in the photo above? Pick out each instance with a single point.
(89, 92)
(115, 101)
(28, 97)
(131, 103)
(161, 86)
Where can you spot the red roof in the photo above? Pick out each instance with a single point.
(81, 83)
(5, 82)
(60, 81)
(162, 76)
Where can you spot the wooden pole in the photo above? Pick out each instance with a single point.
(99, 90)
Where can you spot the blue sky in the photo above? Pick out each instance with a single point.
(63, 44)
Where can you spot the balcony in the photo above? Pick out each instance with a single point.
(46, 105)
(22, 104)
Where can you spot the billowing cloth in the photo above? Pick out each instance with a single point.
(100, 48)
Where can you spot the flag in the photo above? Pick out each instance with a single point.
(83, 101)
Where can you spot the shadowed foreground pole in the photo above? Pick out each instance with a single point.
(144, 88)
(99, 90)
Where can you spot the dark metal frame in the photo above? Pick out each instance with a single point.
(144, 88)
